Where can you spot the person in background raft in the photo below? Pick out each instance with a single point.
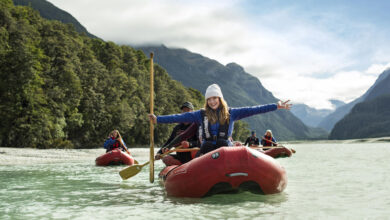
(268, 139)
(216, 120)
(114, 141)
(252, 140)
(181, 132)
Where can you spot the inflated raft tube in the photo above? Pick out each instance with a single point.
(278, 152)
(114, 157)
(225, 170)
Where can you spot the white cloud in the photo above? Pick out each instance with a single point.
(344, 86)
(293, 57)
(376, 69)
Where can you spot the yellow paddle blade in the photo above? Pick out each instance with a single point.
(131, 171)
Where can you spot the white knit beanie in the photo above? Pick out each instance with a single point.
(213, 90)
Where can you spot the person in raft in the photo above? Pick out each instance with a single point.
(181, 132)
(216, 120)
(114, 141)
(268, 139)
(252, 140)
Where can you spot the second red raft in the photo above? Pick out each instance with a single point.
(115, 157)
(223, 170)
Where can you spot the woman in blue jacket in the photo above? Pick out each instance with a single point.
(216, 120)
(114, 141)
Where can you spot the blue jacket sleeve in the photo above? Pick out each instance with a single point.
(239, 113)
(188, 117)
(108, 143)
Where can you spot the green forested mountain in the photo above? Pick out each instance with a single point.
(62, 89)
(239, 89)
(329, 121)
(367, 119)
(381, 87)
(51, 12)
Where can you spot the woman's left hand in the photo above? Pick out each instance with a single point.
(284, 105)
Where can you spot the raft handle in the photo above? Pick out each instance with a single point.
(236, 174)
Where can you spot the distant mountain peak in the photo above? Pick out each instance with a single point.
(336, 103)
(235, 67)
(50, 11)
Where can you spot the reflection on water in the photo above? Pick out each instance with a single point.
(325, 180)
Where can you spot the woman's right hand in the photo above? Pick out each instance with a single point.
(153, 118)
(284, 105)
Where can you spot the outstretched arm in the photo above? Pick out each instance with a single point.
(187, 117)
(243, 112)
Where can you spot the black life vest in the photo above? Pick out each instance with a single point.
(252, 140)
(206, 132)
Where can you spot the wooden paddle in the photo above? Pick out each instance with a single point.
(135, 169)
(135, 161)
(151, 157)
(292, 150)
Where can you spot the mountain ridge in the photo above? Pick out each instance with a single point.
(50, 11)
(329, 121)
(239, 89)
(312, 116)
(369, 118)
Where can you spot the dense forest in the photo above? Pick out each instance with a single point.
(62, 89)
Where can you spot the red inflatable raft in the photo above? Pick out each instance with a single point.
(114, 157)
(278, 152)
(225, 170)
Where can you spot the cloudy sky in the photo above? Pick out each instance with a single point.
(305, 50)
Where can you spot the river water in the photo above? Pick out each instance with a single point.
(338, 180)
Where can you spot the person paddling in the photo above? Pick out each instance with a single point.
(114, 141)
(252, 140)
(181, 132)
(216, 120)
(268, 139)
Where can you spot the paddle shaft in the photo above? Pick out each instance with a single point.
(123, 145)
(178, 149)
(151, 157)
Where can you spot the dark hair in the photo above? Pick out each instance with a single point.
(188, 105)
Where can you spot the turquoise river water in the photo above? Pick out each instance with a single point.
(327, 180)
